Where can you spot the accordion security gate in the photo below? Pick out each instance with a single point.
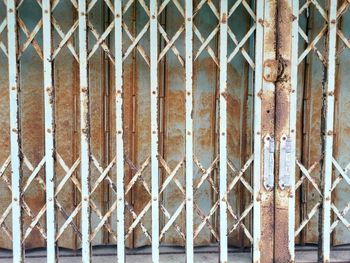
(174, 122)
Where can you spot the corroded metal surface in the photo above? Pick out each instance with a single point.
(145, 123)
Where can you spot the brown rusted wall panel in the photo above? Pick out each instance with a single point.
(205, 75)
(66, 83)
(239, 109)
(173, 129)
(140, 196)
(32, 117)
(312, 117)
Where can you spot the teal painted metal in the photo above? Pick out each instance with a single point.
(152, 156)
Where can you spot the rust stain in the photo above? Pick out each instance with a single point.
(283, 91)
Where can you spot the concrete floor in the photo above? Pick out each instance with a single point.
(169, 255)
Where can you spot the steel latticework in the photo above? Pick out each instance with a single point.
(174, 122)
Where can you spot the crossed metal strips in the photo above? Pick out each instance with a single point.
(70, 175)
(343, 174)
(240, 44)
(3, 25)
(69, 218)
(25, 206)
(9, 208)
(346, 41)
(139, 177)
(206, 176)
(312, 44)
(239, 177)
(306, 174)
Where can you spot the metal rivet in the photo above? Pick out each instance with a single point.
(154, 198)
(49, 130)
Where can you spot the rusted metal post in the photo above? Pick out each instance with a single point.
(285, 131)
(154, 127)
(327, 184)
(189, 128)
(264, 112)
(223, 132)
(49, 102)
(15, 133)
(84, 133)
(119, 129)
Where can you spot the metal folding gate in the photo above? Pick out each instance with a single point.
(181, 122)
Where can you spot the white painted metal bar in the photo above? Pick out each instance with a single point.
(49, 133)
(84, 134)
(15, 136)
(189, 129)
(327, 187)
(154, 127)
(292, 126)
(223, 132)
(119, 129)
(259, 36)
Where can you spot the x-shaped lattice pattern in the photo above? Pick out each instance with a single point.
(240, 43)
(311, 47)
(306, 174)
(345, 42)
(311, 43)
(66, 41)
(239, 177)
(342, 173)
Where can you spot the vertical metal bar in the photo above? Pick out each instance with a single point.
(189, 129)
(292, 126)
(257, 131)
(84, 133)
(332, 35)
(154, 127)
(223, 131)
(49, 133)
(15, 137)
(119, 129)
